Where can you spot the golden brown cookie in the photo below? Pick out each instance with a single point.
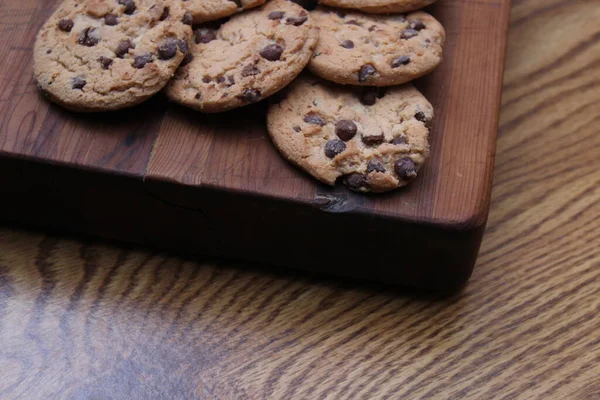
(375, 139)
(375, 50)
(250, 57)
(209, 10)
(98, 55)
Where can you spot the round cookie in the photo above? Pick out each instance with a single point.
(375, 139)
(209, 10)
(99, 55)
(249, 58)
(376, 50)
(380, 6)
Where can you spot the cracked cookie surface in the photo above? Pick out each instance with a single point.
(375, 139)
(250, 57)
(375, 50)
(209, 10)
(380, 6)
(100, 55)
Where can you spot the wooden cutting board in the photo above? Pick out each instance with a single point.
(162, 175)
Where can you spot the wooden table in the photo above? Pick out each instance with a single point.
(81, 319)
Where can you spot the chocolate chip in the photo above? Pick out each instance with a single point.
(347, 44)
(111, 20)
(206, 79)
(340, 13)
(334, 147)
(186, 59)
(65, 25)
(372, 140)
(275, 15)
(187, 18)
(123, 48)
(89, 37)
(297, 21)
(297, 128)
(141, 61)
(355, 181)
(183, 45)
(251, 95)
(198, 96)
(204, 35)
(353, 22)
(105, 62)
(372, 28)
(409, 33)
(129, 6)
(272, 52)
(399, 140)
(369, 98)
(416, 24)
(420, 116)
(370, 95)
(365, 72)
(220, 79)
(165, 14)
(345, 129)
(405, 168)
(402, 60)
(250, 70)
(167, 50)
(375, 166)
(314, 120)
(48, 51)
(78, 82)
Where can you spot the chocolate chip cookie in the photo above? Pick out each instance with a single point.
(99, 55)
(374, 139)
(376, 50)
(380, 6)
(208, 10)
(247, 59)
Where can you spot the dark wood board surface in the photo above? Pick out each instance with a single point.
(235, 153)
(83, 319)
(215, 184)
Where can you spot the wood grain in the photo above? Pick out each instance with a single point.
(164, 176)
(87, 320)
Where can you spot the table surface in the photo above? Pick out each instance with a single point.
(83, 319)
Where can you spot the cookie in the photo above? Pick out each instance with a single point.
(376, 50)
(380, 6)
(249, 58)
(209, 10)
(374, 139)
(99, 55)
